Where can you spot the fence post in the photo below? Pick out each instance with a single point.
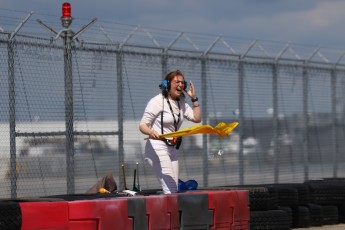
(306, 123)
(12, 118)
(119, 58)
(12, 107)
(241, 77)
(204, 118)
(67, 41)
(275, 121)
(334, 122)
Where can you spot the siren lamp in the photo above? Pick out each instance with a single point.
(66, 18)
(66, 10)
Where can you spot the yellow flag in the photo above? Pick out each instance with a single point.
(222, 129)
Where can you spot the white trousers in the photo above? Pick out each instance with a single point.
(163, 160)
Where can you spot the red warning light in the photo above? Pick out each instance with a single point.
(66, 18)
(66, 10)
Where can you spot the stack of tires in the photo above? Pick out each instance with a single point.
(265, 212)
(296, 205)
(294, 199)
(329, 193)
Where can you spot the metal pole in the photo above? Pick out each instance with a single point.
(12, 107)
(12, 118)
(67, 40)
(68, 36)
(119, 58)
(334, 111)
(204, 118)
(335, 145)
(275, 121)
(306, 123)
(275, 112)
(241, 76)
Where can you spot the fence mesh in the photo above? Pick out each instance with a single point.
(70, 109)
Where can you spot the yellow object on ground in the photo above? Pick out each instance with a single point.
(222, 129)
(103, 190)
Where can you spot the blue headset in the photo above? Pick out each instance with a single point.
(165, 86)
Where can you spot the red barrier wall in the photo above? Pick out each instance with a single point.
(99, 214)
(174, 212)
(230, 211)
(241, 211)
(162, 212)
(230, 208)
(222, 204)
(44, 215)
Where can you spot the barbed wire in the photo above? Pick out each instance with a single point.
(108, 32)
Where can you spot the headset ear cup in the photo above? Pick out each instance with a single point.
(164, 86)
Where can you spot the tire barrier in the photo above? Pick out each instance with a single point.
(316, 215)
(287, 196)
(271, 219)
(312, 203)
(327, 192)
(330, 214)
(341, 212)
(289, 212)
(301, 217)
(10, 215)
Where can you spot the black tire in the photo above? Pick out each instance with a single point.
(341, 212)
(270, 220)
(326, 192)
(303, 193)
(288, 210)
(301, 217)
(330, 215)
(261, 199)
(286, 195)
(316, 215)
(10, 215)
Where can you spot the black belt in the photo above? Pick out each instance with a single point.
(176, 141)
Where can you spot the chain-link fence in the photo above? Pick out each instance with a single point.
(71, 105)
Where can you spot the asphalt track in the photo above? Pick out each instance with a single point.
(328, 227)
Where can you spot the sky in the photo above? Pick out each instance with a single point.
(309, 22)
